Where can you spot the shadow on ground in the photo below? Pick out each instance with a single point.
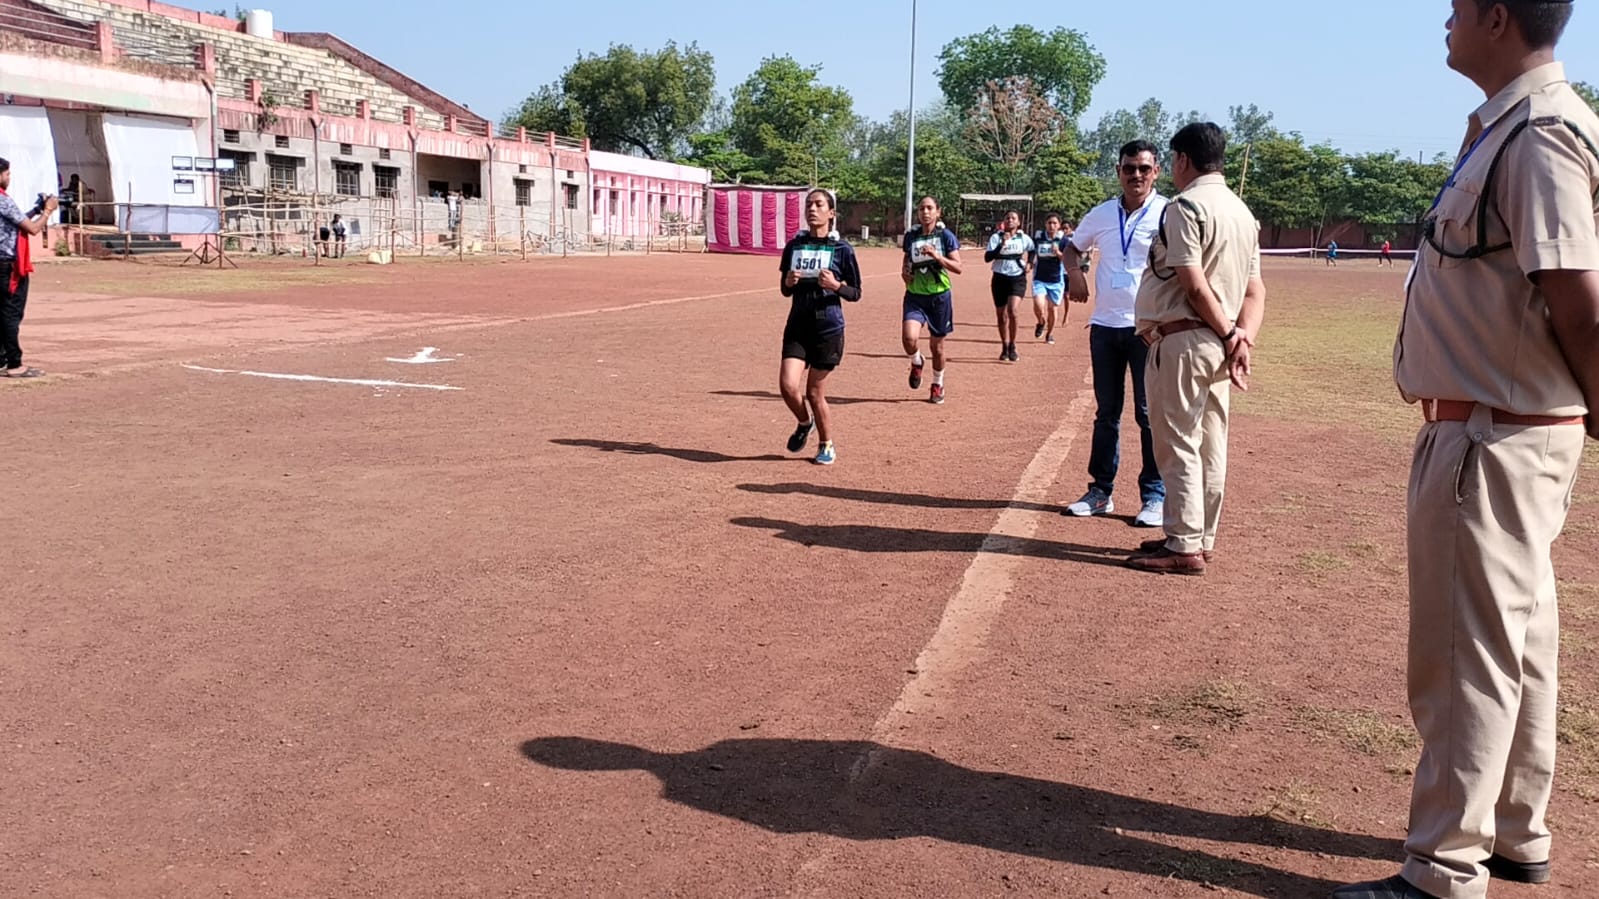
(885, 498)
(864, 791)
(687, 455)
(833, 400)
(875, 539)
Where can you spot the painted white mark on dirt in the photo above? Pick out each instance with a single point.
(970, 614)
(428, 355)
(361, 382)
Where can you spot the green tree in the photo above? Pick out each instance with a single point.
(1064, 185)
(1588, 93)
(1062, 64)
(1386, 188)
(714, 150)
(790, 125)
(648, 102)
(547, 109)
(1291, 185)
(1248, 125)
(1151, 121)
(627, 101)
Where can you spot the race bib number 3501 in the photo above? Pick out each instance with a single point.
(921, 250)
(810, 262)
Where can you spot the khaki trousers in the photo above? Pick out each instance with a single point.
(1486, 504)
(1186, 379)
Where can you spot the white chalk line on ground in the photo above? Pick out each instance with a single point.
(971, 613)
(280, 376)
(454, 327)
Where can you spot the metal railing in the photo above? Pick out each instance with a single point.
(53, 27)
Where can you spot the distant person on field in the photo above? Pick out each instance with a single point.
(1199, 307)
(1010, 251)
(1119, 232)
(338, 236)
(323, 234)
(1049, 277)
(1387, 257)
(1332, 253)
(1499, 346)
(818, 271)
(932, 254)
(16, 265)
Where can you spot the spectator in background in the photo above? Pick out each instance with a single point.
(338, 236)
(15, 267)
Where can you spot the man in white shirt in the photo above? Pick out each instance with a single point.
(1119, 232)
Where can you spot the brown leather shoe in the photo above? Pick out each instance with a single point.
(1150, 547)
(1167, 562)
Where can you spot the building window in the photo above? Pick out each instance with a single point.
(283, 173)
(524, 192)
(230, 135)
(571, 195)
(383, 154)
(347, 179)
(569, 175)
(240, 176)
(616, 201)
(387, 181)
(346, 150)
(281, 142)
(522, 169)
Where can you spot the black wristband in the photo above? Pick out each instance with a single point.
(1225, 338)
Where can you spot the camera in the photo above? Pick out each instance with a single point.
(38, 207)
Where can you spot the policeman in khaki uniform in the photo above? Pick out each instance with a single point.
(1199, 308)
(1499, 346)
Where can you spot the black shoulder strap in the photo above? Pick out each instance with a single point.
(1481, 248)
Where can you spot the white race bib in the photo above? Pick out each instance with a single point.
(811, 261)
(1047, 250)
(920, 250)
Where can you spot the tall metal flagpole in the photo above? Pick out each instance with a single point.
(910, 157)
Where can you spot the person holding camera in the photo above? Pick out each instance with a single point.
(16, 264)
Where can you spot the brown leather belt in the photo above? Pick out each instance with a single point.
(1460, 410)
(1167, 329)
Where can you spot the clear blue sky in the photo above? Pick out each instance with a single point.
(1364, 74)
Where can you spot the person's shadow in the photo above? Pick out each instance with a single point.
(675, 452)
(865, 791)
(876, 539)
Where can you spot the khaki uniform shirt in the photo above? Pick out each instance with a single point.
(1477, 330)
(1208, 227)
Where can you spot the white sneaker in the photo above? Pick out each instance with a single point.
(1153, 515)
(1092, 503)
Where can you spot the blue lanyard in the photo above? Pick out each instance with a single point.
(1126, 235)
(1462, 164)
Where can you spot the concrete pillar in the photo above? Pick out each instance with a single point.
(313, 101)
(252, 89)
(363, 109)
(105, 41)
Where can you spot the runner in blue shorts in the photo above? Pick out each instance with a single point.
(1049, 277)
(932, 254)
(818, 271)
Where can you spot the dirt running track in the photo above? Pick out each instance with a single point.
(581, 628)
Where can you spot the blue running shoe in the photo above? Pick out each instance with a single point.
(801, 435)
(826, 456)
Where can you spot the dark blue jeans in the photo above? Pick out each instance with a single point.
(1114, 351)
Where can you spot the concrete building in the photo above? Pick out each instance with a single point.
(138, 97)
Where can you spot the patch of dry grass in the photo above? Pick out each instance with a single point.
(1295, 803)
(1220, 704)
(1361, 730)
(1321, 562)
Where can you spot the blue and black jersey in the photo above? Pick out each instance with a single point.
(1048, 267)
(813, 306)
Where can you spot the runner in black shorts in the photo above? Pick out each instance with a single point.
(818, 270)
(1009, 249)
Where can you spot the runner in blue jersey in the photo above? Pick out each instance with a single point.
(1010, 251)
(932, 254)
(819, 270)
(1049, 277)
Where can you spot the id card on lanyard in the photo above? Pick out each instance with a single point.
(1128, 231)
(811, 260)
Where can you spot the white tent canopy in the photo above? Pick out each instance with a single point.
(26, 141)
